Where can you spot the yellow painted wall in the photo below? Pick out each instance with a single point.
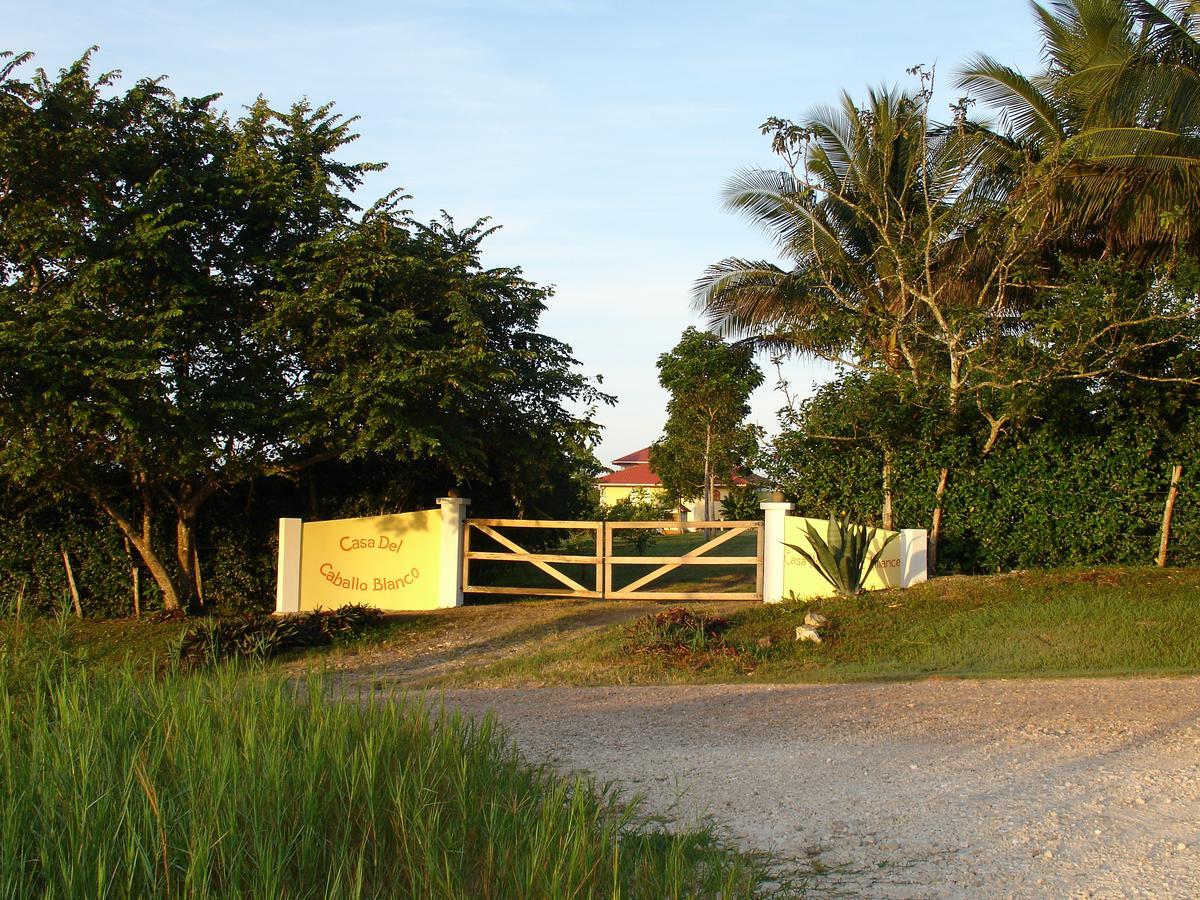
(391, 562)
(611, 493)
(800, 578)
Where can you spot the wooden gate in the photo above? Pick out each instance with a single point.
(543, 561)
(605, 560)
(698, 556)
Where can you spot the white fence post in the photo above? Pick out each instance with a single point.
(914, 556)
(450, 584)
(287, 579)
(774, 515)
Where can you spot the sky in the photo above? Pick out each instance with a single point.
(597, 134)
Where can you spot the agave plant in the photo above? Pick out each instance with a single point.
(842, 557)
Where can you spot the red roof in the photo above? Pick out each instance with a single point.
(639, 456)
(642, 475)
(639, 474)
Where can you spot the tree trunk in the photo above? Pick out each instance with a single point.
(708, 473)
(71, 583)
(185, 556)
(887, 490)
(935, 530)
(135, 578)
(142, 541)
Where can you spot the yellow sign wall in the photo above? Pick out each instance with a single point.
(801, 579)
(391, 562)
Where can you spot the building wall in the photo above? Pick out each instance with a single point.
(611, 493)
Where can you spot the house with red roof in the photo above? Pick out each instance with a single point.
(632, 473)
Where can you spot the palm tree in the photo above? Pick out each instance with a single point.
(1114, 116)
(892, 231)
(900, 246)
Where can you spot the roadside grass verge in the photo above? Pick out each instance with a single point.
(141, 644)
(149, 644)
(1117, 621)
(233, 783)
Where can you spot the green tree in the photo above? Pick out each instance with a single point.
(192, 302)
(1112, 119)
(705, 439)
(910, 254)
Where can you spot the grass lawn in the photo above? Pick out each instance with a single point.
(1048, 623)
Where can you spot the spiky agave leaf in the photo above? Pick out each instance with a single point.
(812, 562)
(828, 556)
(843, 557)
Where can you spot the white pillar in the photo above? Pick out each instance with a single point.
(775, 515)
(450, 582)
(287, 579)
(914, 556)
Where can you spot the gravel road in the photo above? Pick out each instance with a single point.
(1066, 788)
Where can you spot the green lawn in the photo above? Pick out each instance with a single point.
(1036, 624)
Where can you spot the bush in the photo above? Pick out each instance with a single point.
(677, 631)
(259, 637)
(1046, 497)
(639, 506)
(742, 504)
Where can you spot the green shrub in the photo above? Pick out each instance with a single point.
(639, 506)
(742, 504)
(259, 637)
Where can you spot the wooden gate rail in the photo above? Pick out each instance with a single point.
(691, 558)
(539, 560)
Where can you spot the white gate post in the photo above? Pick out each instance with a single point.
(287, 578)
(914, 556)
(774, 515)
(450, 583)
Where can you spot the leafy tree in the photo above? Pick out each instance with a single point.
(705, 439)
(1112, 117)
(640, 505)
(191, 302)
(911, 255)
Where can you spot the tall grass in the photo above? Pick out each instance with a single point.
(230, 784)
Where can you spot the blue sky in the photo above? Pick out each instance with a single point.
(597, 134)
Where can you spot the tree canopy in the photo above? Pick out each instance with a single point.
(191, 301)
(967, 274)
(705, 439)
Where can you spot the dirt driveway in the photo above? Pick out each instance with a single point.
(1069, 788)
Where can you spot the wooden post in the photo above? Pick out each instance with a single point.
(1176, 474)
(135, 577)
(935, 530)
(71, 582)
(887, 490)
(758, 550)
(600, 526)
(608, 555)
(21, 597)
